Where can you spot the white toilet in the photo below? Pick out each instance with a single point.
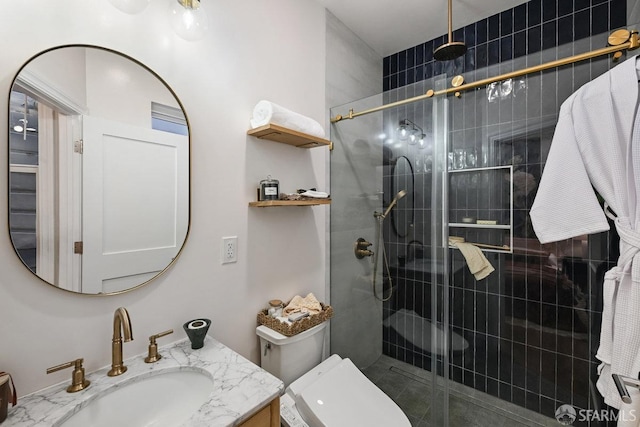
(329, 394)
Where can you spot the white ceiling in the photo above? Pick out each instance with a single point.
(389, 26)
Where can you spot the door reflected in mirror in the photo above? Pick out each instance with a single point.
(98, 170)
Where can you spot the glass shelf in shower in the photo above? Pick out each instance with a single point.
(480, 169)
(471, 225)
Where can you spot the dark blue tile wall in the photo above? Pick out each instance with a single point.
(525, 29)
(532, 327)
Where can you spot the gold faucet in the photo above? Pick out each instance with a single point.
(121, 322)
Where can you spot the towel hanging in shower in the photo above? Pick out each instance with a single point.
(478, 264)
(596, 144)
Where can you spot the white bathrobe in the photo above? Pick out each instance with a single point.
(595, 144)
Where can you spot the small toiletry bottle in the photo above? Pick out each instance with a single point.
(275, 308)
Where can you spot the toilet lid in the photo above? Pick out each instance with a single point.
(343, 396)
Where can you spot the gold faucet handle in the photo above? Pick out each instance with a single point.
(362, 244)
(153, 355)
(78, 381)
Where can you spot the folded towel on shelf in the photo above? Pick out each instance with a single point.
(478, 264)
(308, 304)
(302, 196)
(315, 194)
(266, 112)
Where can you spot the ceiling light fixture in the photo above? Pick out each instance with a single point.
(21, 125)
(130, 6)
(188, 19)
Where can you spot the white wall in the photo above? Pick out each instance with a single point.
(255, 50)
(121, 90)
(64, 70)
(103, 83)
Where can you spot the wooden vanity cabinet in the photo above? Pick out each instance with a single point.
(269, 416)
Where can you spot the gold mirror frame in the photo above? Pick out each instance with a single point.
(32, 85)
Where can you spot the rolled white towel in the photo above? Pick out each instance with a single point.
(315, 194)
(266, 112)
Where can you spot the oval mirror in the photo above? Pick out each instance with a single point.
(402, 179)
(98, 170)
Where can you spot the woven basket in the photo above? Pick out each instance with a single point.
(297, 326)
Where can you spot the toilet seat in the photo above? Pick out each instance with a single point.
(344, 396)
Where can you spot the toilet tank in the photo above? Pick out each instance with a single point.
(288, 358)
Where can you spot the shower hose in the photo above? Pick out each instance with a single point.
(385, 262)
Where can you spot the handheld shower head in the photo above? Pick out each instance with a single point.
(393, 203)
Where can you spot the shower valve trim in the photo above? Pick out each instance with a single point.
(362, 248)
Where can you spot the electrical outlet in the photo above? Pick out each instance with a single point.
(229, 249)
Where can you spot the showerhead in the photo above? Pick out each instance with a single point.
(449, 51)
(395, 200)
(400, 195)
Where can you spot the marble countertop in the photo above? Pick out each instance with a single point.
(240, 388)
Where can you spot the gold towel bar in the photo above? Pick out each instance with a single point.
(453, 240)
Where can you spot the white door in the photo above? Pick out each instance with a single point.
(135, 203)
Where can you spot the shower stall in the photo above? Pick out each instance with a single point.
(452, 346)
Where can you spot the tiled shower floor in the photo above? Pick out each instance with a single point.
(410, 388)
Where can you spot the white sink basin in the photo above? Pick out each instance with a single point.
(166, 398)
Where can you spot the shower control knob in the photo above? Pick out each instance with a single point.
(361, 250)
(362, 244)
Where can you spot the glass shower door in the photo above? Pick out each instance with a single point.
(532, 326)
(389, 262)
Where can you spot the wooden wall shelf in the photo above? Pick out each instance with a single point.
(273, 203)
(281, 134)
